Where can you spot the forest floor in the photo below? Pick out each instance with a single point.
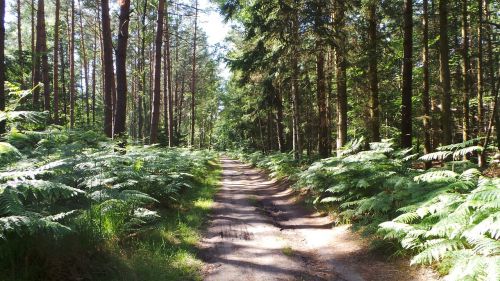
(259, 231)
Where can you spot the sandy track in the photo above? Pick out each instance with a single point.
(258, 232)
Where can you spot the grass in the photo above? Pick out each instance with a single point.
(169, 251)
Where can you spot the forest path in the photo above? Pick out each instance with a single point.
(258, 232)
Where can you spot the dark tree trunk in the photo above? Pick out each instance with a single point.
(323, 146)
(444, 73)
(109, 77)
(480, 81)
(121, 69)
(56, 63)
(297, 136)
(170, 130)
(155, 115)
(406, 106)
(20, 42)
(85, 65)
(72, 86)
(341, 74)
(279, 121)
(373, 73)
(425, 95)
(2, 64)
(142, 69)
(465, 71)
(33, 47)
(193, 75)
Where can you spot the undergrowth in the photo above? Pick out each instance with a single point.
(447, 216)
(75, 207)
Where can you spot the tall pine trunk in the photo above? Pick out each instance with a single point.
(444, 73)
(193, 75)
(425, 94)
(297, 136)
(121, 69)
(373, 73)
(2, 64)
(72, 85)
(406, 104)
(85, 65)
(323, 145)
(480, 80)
(20, 41)
(341, 74)
(109, 76)
(56, 62)
(465, 72)
(155, 115)
(170, 129)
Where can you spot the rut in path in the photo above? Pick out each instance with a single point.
(258, 232)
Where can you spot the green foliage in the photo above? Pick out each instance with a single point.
(71, 185)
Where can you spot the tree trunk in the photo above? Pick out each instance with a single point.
(63, 81)
(33, 47)
(170, 131)
(341, 74)
(155, 116)
(444, 73)
(2, 64)
(373, 73)
(323, 146)
(85, 65)
(109, 76)
(193, 75)
(20, 42)
(425, 95)
(465, 71)
(406, 105)
(56, 63)
(279, 121)
(480, 81)
(72, 86)
(121, 69)
(142, 69)
(297, 136)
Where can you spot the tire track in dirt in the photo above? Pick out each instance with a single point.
(258, 232)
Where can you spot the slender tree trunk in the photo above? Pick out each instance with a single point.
(297, 136)
(85, 65)
(63, 81)
(142, 69)
(121, 69)
(2, 63)
(72, 90)
(444, 73)
(465, 71)
(341, 74)
(425, 95)
(20, 42)
(56, 63)
(170, 131)
(94, 59)
(279, 121)
(480, 81)
(193, 75)
(155, 116)
(39, 49)
(406, 106)
(33, 47)
(109, 76)
(373, 73)
(323, 146)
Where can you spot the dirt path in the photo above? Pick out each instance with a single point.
(257, 232)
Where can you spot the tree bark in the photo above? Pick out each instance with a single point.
(85, 65)
(20, 42)
(56, 62)
(170, 130)
(373, 73)
(406, 105)
(341, 74)
(2, 63)
(323, 146)
(121, 69)
(444, 73)
(279, 120)
(480, 81)
(193, 75)
(425, 95)
(109, 77)
(155, 116)
(72, 86)
(465, 71)
(297, 136)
